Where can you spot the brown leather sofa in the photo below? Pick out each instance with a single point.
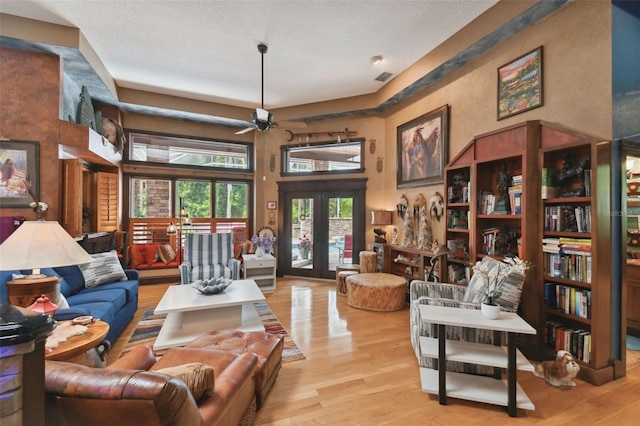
(130, 392)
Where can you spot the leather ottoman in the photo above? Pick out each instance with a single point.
(268, 348)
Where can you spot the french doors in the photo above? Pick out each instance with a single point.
(321, 226)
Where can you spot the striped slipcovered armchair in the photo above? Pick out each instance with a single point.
(208, 256)
(465, 297)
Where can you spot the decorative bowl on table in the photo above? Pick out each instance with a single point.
(212, 285)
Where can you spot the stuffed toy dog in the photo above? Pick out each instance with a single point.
(558, 372)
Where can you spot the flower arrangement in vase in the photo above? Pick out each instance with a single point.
(262, 244)
(304, 246)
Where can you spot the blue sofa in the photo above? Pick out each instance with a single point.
(114, 303)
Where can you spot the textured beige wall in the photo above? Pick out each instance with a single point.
(577, 94)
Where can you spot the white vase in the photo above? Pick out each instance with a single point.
(259, 251)
(490, 311)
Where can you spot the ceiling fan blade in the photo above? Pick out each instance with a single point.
(247, 130)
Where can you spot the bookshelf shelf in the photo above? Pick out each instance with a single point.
(460, 230)
(556, 313)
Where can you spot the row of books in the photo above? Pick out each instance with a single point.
(568, 266)
(567, 245)
(558, 336)
(515, 198)
(567, 218)
(567, 299)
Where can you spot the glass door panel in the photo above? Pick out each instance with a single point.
(340, 247)
(302, 231)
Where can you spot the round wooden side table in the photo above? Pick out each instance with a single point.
(82, 349)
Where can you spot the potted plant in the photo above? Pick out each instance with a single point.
(304, 246)
(493, 291)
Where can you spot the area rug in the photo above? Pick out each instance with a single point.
(150, 324)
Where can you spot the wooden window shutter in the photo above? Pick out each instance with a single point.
(106, 207)
(72, 197)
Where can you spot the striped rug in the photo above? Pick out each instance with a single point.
(150, 324)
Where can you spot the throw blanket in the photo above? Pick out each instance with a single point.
(62, 333)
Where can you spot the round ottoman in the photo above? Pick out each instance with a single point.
(376, 291)
(342, 281)
(345, 267)
(368, 261)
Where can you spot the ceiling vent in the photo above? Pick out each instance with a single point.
(384, 76)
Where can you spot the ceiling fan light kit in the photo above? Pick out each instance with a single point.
(262, 120)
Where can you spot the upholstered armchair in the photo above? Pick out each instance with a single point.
(130, 391)
(208, 256)
(464, 297)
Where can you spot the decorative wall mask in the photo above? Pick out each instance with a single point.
(436, 206)
(372, 146)
(402, 206)
(379, 165)
(272, 163)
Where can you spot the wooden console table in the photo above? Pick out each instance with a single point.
(468, 386)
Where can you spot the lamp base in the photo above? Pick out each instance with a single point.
(24, 292)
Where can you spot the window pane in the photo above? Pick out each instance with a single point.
(196, 198)
(329, 157)
(191, 152)
(150, 198)
(231, 200)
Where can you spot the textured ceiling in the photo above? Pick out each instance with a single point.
(206, 50)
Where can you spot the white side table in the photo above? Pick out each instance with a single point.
(262, 270)
(468, 386)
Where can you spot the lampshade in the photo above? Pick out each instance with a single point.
(380, 217)
(41, 244)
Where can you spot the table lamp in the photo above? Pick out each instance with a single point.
(380, 217)
(35, 245)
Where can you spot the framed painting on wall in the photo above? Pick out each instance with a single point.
(520, 84)
(19, 162)
(422, 149)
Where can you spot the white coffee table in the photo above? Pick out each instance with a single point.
(191, 313)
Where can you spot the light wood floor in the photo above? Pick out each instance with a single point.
(360, 369)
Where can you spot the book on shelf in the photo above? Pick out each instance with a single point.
(587, 182)
(516, 202)
(549, 192)
(559, 336)
(547, 177)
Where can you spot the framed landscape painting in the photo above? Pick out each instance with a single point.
(520, 84)
(422, 149)
(19, 161)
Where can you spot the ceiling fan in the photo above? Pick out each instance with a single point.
(262, 120)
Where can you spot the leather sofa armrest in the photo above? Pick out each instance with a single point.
(140, 358)
(234, 383)
(74, 390)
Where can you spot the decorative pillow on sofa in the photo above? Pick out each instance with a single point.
(166, 253)
(198, 377)
(104, 269)
(136, 255)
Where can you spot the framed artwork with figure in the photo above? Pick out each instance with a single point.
(19, 162)
(422, 149)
